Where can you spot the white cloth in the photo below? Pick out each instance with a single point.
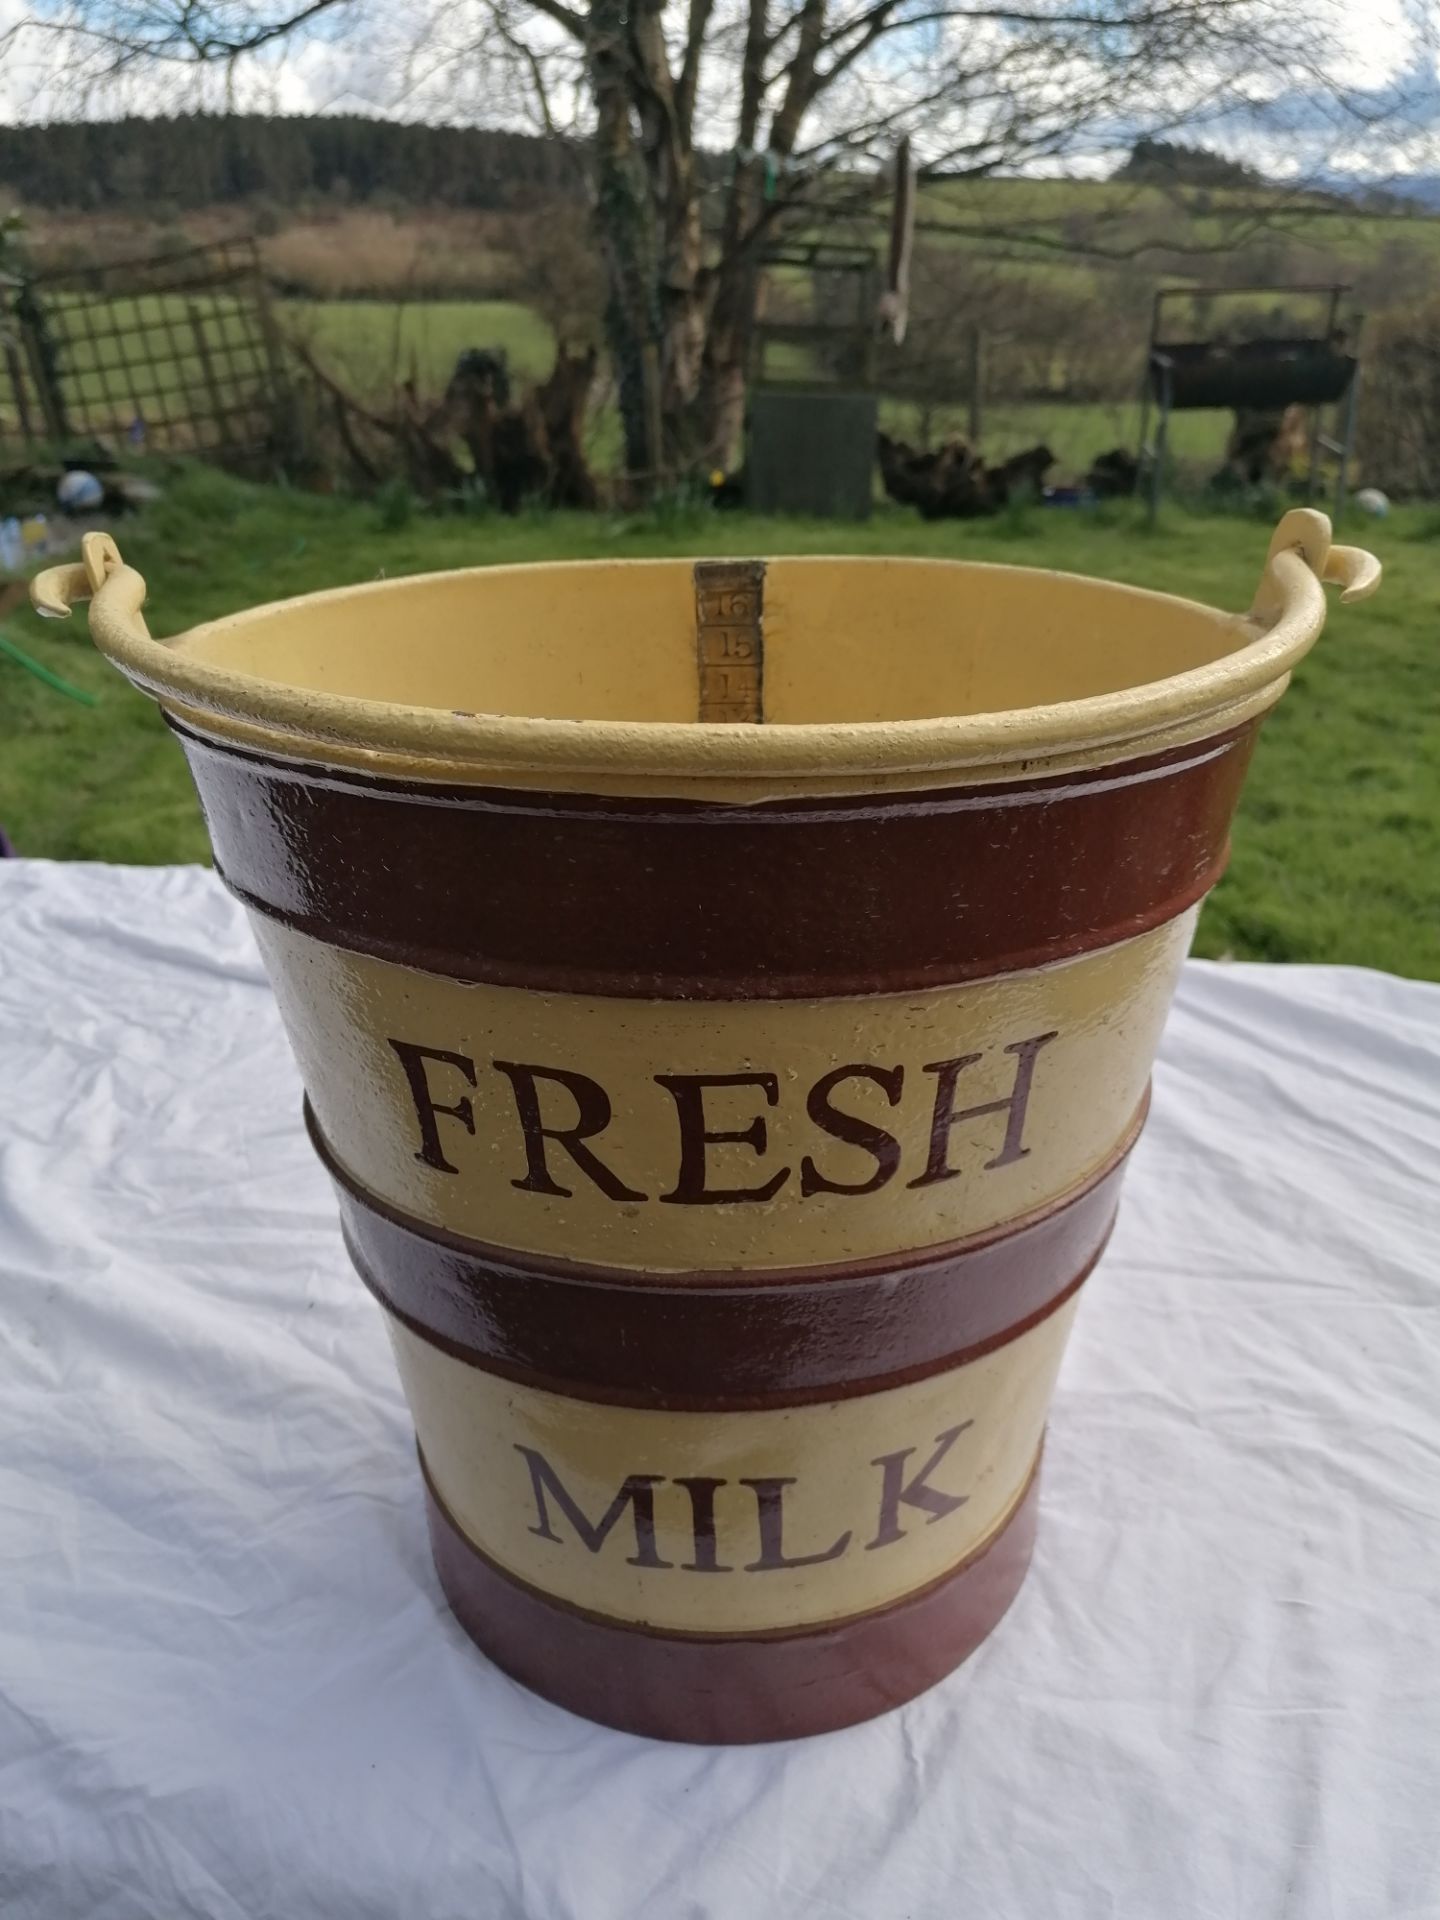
(228, 1684)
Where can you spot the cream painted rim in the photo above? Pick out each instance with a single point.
(424, 743)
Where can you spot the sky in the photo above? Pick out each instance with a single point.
(1384, 48)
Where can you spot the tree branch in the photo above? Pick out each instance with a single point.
(526, 54)
(689, 81)
(752, 74)
(800, 88)
(574, 23)
(880, 24)
(262, 36)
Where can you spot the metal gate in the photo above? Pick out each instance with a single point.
(174, 354)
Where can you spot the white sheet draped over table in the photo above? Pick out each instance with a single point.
(229, 1687)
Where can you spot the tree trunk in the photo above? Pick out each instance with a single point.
(682, 328)
(731, 332)
(668, 318)
(625, 220)
(669, 164)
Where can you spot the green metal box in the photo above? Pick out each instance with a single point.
(811, 451)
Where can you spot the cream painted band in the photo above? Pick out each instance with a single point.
(879, 1468)
(344, 1011)
(731, 790)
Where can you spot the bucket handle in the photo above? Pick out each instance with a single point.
(55, 591)
(1301, 543)
(1285, 618)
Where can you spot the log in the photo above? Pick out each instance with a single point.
(563, 402)
(1264, 444)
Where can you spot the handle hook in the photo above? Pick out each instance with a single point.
(1305, 532)
(55, 591)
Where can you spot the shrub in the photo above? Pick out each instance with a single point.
(1398, 441)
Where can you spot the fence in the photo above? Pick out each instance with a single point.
(175, 354)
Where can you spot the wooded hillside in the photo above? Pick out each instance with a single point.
(201, 160)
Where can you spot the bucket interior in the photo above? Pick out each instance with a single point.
(842, 640)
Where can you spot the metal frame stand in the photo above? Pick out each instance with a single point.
(1158, 388)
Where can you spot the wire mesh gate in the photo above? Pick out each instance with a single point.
(177, 354)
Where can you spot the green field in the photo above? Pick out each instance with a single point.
(1338, 843)
(371, 345)
(377, 342)
(1037, 220)
(1075, 434)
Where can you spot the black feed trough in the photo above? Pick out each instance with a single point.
(1266, 374)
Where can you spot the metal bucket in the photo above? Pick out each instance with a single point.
(726, 997)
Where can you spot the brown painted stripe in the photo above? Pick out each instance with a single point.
(716, 1689)
(666, 899)
(726, 1340)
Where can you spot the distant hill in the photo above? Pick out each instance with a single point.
(204, 160)
(1420, 192)
(1158, 163)
(1170, 163)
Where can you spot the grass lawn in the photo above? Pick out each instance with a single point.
(1337, 849)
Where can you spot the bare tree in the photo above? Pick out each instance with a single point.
(710, 122)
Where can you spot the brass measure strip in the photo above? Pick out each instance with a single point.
(729, 642)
